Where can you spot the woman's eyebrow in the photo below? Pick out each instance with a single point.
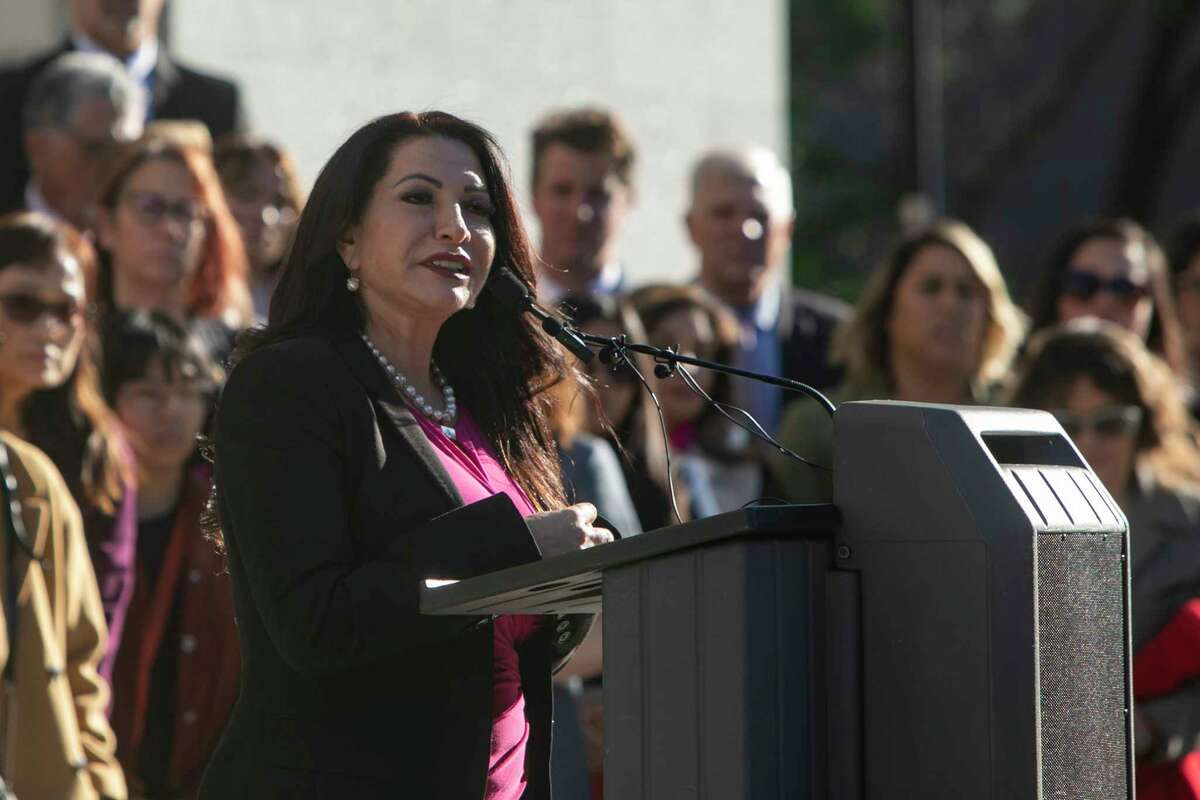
(419, 176)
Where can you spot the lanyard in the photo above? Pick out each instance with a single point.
(15, 537)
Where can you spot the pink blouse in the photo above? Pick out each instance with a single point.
(477, 474)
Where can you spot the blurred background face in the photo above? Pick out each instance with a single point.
(581, 205)
(1109, 279)
(1104, 429)
(939, 313)
(162, 415)
(119, 26)
(1187, 299)
(617, 389)
(265, 215)
(41, 324)
(67, 161)
(156, 233)
(691, 330)
(741, 243)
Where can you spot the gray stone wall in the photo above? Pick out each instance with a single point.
(686, 73)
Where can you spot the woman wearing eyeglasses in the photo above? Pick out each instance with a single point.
(1122, 407)
(169, 244)
(50, 395)
(1114, 270)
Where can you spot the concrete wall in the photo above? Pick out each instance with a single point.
(28, 26)
(686, 74)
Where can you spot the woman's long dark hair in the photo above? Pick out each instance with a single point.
(500, 363)
(1165, 337)
(70, 422)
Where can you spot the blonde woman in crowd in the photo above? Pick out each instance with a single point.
(1123, 408)
(934, 324)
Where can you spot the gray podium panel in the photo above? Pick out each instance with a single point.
(713, 675)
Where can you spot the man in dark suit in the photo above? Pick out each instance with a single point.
(128, 32)
(741, 220)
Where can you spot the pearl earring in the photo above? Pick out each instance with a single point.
(352, 283)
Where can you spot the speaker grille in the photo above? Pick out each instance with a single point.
(1081, 666)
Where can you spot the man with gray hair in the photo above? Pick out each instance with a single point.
(741, 220)
(79, 109)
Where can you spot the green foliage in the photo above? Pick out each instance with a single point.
(840, 199)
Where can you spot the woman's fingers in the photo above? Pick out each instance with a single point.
(586, 513)
(595, 536)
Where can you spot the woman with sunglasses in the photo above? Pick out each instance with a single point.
(1121, 406)
(1112, 269)
(50, 395)
(169, 244)
(58, 742)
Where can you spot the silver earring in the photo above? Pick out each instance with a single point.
(352, 283)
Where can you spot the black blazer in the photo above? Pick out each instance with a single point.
(807, 323)
(179, 93)
(334, 507)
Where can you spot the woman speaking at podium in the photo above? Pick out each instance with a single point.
(389, 424)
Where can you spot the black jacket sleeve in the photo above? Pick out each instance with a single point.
(286, 446)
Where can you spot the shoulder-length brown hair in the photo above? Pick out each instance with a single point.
(1165, 336)
(219, 288)
(1119, 364)
(653, 303)
(862, 341)
(501, 363)
(70, 422)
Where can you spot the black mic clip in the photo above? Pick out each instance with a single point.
(665, 367)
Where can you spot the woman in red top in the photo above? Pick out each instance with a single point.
(177, 668)
(387, 426)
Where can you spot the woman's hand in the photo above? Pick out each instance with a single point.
(567, 530)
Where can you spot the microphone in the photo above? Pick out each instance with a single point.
(512, 294)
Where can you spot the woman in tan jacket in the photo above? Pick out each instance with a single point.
(55, 740)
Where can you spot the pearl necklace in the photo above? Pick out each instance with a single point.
(445, 418)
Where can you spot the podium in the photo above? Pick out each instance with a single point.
(712, 677)
(956, 626)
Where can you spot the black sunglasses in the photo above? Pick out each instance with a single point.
(26, 309)
(1084, 285)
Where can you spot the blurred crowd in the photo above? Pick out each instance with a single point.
(143, 228)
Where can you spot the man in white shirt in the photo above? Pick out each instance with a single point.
(79, 110)
(127, 31)
(582, 192)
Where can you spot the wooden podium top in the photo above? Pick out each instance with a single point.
(571, 583)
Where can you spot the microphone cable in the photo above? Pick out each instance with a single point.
(757, 431)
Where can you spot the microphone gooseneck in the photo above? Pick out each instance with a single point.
(512, 294)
